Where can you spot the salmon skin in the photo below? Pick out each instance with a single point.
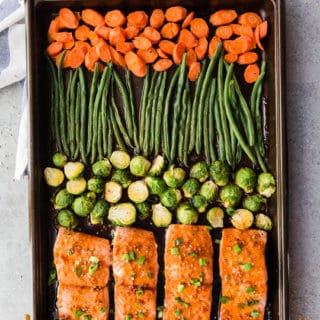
(188, 273)
(244, 274)
(74, 256)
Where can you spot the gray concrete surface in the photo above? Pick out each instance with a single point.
(303, 129)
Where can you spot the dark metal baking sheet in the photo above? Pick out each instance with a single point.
(39, 13)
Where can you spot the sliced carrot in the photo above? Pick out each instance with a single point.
(186, 22)
(235, 28)
(263, 29)
(194, 71)
(137, 19)
(68, 45)
(191, 57)
(82, 33)
(116, 35)
(170, 30)
(246, 30)
(162, 54)
(103, 31)
(162, 65)
(141, 42)
(224, 32)
(176, 13)
(247, 58)
(63, 36)
(115, 18)
(76, 58)
(152, 34)
(149, 55)
(54, 26)
(251, 18)
(103, 51)
(239, 45)
(68, 18)
(199, 28)
(201, 48)
(85, 46)
(131, 32)
(230, 57)
(178, 52)
(54, 48)
(213, 45)
(188, 38)
(94, 38)
(135, 64)
(167, 46)
(92, 17)
(91, 58)
(124, 47)
(65, 63)
(251, 73)
(222, 17)
(117, 57)
(257, 37)
(157, 18)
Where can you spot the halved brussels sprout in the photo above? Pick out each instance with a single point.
(199, 202)
(77, 186)
(138, 191)
(67, 219)
(242, 219)
(199, 171)
(263, 222)
(156, 185)
(230, 195)
(266, 184)
(174, 177)
(98, 212)
(209, 190)
(246, 179)
(161, 216)
(59, 159)
(190, 187)
(220, 172)
(122, 214)
(170, 198)
(139, 166)
(254, 202)
(186, 214)
(157, 166)
(123, 177)
(120, 159)
(96, 184)
(215, 217)
(53, 176)
(63, 199)
(102, 168)
(112, 192)
(73, 170)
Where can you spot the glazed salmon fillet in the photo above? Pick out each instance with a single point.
(188, 273)
(135, 259)
(81, 259)
(244, 274)
(134, 303)
(77, 302)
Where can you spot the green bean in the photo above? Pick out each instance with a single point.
(260, 160)
(109, 136)
(183, 121)
(211, 129)
(100, 139)
(77, 122)
(205, 129)
(187, 129)
(143, 106)
(233, 139)
(116, 132)
(69, 76)
(72, 119)
(217, 117)
(256, 87)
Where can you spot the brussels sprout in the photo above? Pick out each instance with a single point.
(53, 176)
(122, 214)
(157, 166)
(102, 168)
(191, 187)
(77, 186)
(98, 212)
(156, 185)
(199, 202)
(139, 166)
(123, 177)
(138, 191)
(91, 196)
(186, 214)
(230, 195)
(67, 219)
(112, 192)
(144, 210)
(96, 184)
(254, 202)
(266, 184)
(215, 217)
(120, 159)
(263, 222)
(161, 216)
(73, 170)
(209, 190)
(220, 172)
(170, 198)
(83, 205)
(199, 171)
(242, 219)
(174, 177)
(63, 199)
(59, 159)
(246, 179)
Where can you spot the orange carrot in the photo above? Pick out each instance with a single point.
(257, 37)
(116, 35)
(54, 48)
(263, 29)
(94, 38)
(199, 28)
(68, 45)
(247, 58)
(82, 33)
(251, 73)
(76, 58)
(115, 18)
(103, 31)
(246, 30)
(157, 18)
(170, 30)
(142, 43)
(65, 63)
(92, 17)
(161, 54)
(251, 18)
(176, 13)
(83, 45)
(131, 32)
(68, 18)
(137, 19)
(222, 17)
(135, 64)
(103, 51)
(235, 28)
(187, 38)
(194, 71)
(186, 22)
(178, 52)
(117, 57)
(124, 47)
(239, 45)
(162, 65)
(224, 32)
(230, 57)
(91, 58)
(152, 34)
(167, 46)
(191, 57)
(213, 45)
(149, 55)
(62, 36)
(201, 48)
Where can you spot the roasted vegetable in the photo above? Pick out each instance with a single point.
(157, 166)
(161, 216)
(77, 186)
(102, 168)
(190, 187)
(174, 177)
(254, 202)
(220, 172)
(138, 191)
(96, 184)
(63, 199)
(186, 214)
(209, 190)
(98, 212)
(170, 198)
(122, 214)
(246, 179)
(156, 185)
(53, 177)
(67, 219)
(112, 192)
(73, 170)
(144, 210)
(199, 202)
(123, 177)
(215, 217)
(120, 159)
(266, 184)
(59, 159)
(242, 219)
(230, 195)
(139, 166)
(83, 205)
(199, 171)
(262, 221)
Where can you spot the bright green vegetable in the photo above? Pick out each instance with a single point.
(139, 166)
(59, 159)
(174, 177)
(254, 202)
(157, 166)
(242, 219)
(73, 170)
(215, 217)
(199, 202)
(156, 185)
(190, 187)
(209, 190)
(98, 212)
(199, 171)
(96, 184)
(230, 195)
(102, 168)
(93, 267)
(171, 197)
(144, 210)
(63, 199)
(123, 177)
(246, 179)
(266, 184)
(112, 192)
(138, 191)
(53, 176)
(120, 159)
(220, 172)
(143, 106)
(83, 205)
(67, 219)
(186, 214)
(77, 186)
(161, 216)
(263, 222)
(122, 214)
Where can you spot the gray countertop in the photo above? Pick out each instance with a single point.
(303, 136)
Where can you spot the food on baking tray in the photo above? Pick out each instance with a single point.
(188, 272)
(243, 273)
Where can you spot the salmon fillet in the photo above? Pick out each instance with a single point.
(135, 259)
(76, 302)
(244, 274)
(135, 302)
(74, 253)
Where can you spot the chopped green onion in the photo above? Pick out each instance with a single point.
(139, 292)
(70, 252)
(78, 314)
(180, 288)
(103, 310)
(203, 262)
(196, 282)
(180, 301)
(132, 276)
(128, 317)
(93, 268)
(132, 255)
(177, 313)
(237, 248)
(224, 299)
(87, 317)
(140, 314)
(255, 314)
(149, 275)
(175, 251)
(52, 276)
(160, 311)
(217, 241)
(251, 303)
(126, 257)
(141, 260)
(193, 255)
(178, 241)
(250, 290)
(247, 267)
